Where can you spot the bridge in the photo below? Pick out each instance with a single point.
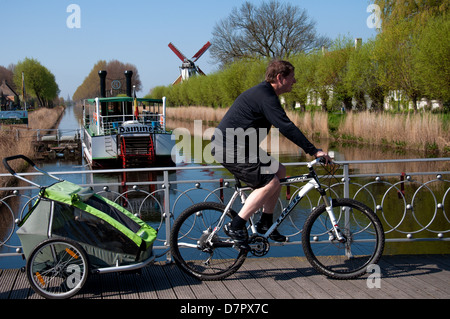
(412, 204)
(262, 279)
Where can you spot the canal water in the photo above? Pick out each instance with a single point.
(287, 153)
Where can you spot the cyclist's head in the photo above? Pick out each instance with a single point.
(276, 67)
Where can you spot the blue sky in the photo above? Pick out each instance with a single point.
(138, 32)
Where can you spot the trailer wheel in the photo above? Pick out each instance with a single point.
(57, 268)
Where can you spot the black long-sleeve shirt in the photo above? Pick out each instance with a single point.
(260, 108)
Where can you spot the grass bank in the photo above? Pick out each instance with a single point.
(417, 131)
(17, 139)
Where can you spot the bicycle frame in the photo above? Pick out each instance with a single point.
(313, 183)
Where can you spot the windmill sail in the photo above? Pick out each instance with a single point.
(188, 68)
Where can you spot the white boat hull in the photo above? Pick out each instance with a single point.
(103, 148)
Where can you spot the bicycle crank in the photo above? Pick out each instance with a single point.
(259, 246)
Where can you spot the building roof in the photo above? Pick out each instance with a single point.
(6, 90)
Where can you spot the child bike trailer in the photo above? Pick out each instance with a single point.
(71, 232)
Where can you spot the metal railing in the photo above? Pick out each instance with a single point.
(42, 135)
(413, 206)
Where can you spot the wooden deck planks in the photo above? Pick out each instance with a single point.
(404, 277)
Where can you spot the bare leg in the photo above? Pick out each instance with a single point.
(269, 205)
(266, 196)
(259, 197)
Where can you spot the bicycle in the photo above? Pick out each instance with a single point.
(340, 238)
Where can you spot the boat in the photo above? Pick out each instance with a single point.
(116, 136)
(125, 131)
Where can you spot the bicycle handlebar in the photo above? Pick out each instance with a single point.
(29, 161)
(320, 159)
(11, 158)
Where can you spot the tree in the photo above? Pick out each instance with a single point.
(39, 81)
(393, 55)
(361, 77)
(331, 72)
(91, 84)
(272, 30)
(115, 71)
(7, 74)
(305, 71)
(403, 38)
(418, 11)
(431, 59)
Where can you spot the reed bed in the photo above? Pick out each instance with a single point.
(313, 125)
(17, 139)
(420, 131)
(414, 130)
(191, 113)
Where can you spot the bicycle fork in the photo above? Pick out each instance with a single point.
(336, 230)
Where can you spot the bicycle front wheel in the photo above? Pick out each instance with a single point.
(57, 268)
(362, 245)
(198, 253)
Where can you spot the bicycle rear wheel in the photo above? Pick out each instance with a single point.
(191, 250)
(363, 233)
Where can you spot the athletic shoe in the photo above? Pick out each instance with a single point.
(239, 236)
(276, 236)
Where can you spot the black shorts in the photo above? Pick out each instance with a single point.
(254, 168)
(256, 172)
(251, 174)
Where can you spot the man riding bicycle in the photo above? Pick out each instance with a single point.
(253, 113)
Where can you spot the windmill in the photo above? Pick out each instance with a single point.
(188, 67)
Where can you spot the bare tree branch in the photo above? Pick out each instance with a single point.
(272, 30)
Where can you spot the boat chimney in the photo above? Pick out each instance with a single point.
(102, 75)
(128, 75)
